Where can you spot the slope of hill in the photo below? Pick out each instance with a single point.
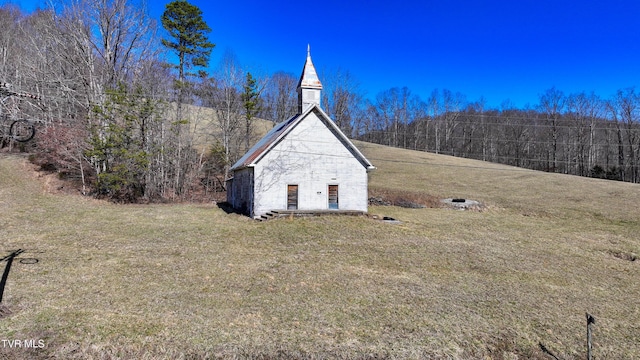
(206, 127)
(501, 186)
(159, 281)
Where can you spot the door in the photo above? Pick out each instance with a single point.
(333, 197)
(292, 197)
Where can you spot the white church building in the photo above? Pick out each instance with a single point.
(304, 163)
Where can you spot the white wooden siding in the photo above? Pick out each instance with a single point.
(312, 157)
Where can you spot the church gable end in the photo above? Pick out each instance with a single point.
(303, 163)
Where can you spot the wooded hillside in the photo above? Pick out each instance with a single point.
(113, 113)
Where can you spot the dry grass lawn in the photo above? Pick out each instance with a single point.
(191, 281)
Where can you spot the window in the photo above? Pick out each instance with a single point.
(333, 197)
(292, 197)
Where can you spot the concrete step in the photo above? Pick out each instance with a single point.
(267, 216)
(273, 214)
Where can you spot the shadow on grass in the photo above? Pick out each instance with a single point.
(226, 207)
(547, 351)
(4, 311)
(7, 268)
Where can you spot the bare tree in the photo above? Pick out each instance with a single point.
(625, 110)
(279, 97)
(470, 126)
(584, 110)
(10, 17)
(342, 99)
(224, 94)
(515, 137)
(386, 103)
(552, 104)
(126, 37)
(418, 114)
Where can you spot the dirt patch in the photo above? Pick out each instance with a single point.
(53, 184)
(405, 199)
(4, 311)
(52, 181)
(623, 255)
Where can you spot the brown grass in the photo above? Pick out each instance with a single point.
(190, 281)
(403, 198)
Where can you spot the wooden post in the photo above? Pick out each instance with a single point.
(590, 320)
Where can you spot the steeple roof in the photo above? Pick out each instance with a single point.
(309, 78)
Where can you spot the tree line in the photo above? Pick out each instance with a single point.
(130, 123)
(126, 104)
(580, 134)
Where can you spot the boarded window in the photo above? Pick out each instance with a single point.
(333, 197)
(292, 197)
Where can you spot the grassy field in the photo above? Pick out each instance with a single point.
(191, 281)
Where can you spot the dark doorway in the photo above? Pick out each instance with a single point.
(333, 197)
(292, 197)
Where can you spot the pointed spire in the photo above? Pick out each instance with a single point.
(309, 86)
(309, 77)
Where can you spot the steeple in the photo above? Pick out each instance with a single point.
(309, 86)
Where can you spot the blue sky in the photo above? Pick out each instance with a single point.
(500, 50)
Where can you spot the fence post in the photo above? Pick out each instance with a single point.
(590, 320)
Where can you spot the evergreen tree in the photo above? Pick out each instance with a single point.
(190, 43)
(250, 98)
(188, 40)
(119, 146)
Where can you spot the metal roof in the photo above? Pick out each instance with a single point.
(264, 144)
(280, 131)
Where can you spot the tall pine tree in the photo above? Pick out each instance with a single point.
(190, 43)
(189, 39)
